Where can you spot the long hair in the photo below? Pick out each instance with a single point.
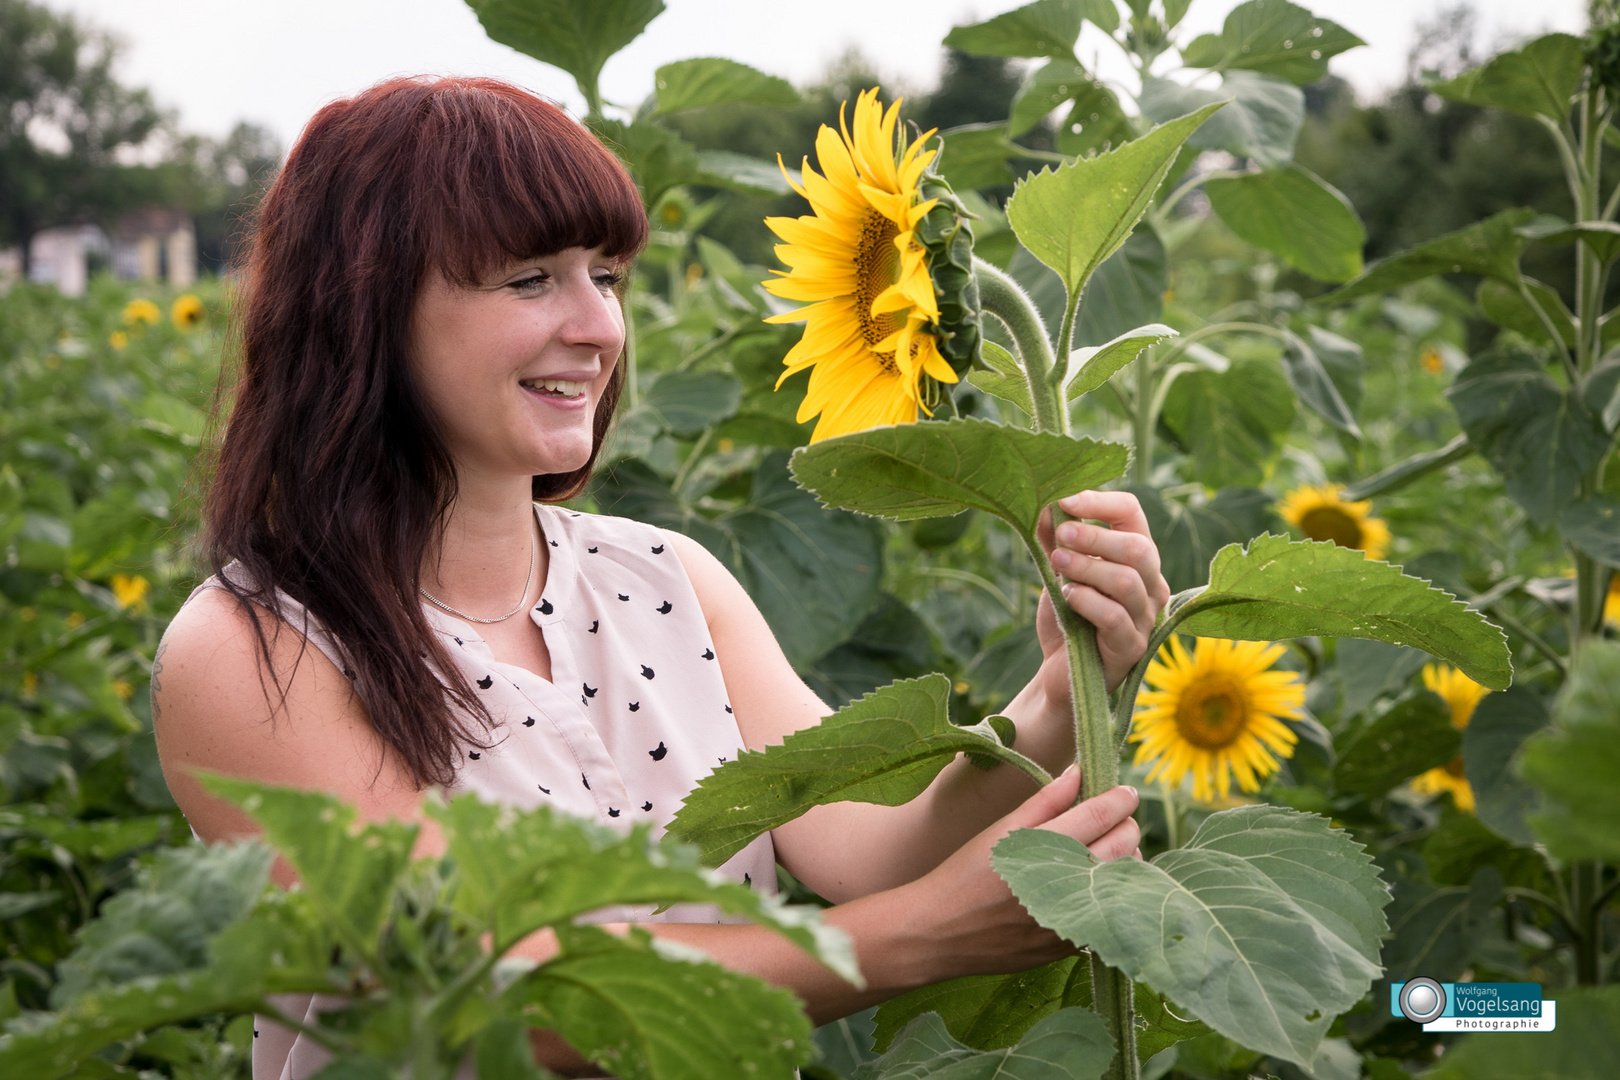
(332, 480)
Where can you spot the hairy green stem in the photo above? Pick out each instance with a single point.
(1587, 884)
(1114, 997)
(1143, 418)
(1002, 297)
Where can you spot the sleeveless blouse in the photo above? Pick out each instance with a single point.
(635, 714)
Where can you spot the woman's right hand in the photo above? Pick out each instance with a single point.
(973, 922)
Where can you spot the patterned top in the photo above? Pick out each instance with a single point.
(634, 716)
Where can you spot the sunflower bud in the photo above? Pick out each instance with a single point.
(948, 236)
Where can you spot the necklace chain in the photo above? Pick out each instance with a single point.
(522, 600)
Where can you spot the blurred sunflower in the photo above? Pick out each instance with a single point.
(1611, 603)
(188, 312)
(129, 590)
(142, 311)
(884, 264)
(1322, 514)
(1217, 713)
(118, 340)
(1461, 694)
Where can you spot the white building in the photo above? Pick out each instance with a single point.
(157, 244)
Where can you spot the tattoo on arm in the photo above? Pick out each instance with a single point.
(157, 679)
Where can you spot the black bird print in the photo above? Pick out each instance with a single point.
(658, 754)
(460, 642)
(728, 708)
(545, 606)
(554, 543)
(484, 683)
(635, 706)
(646, 806)
(722, 761)
(474, 755)
(594, 624)
(612, 812)
(528, 721)
(748, 881)
(347, 674)
(659, 550)
(591, 550)
(586, 781)
(590, 691)
(621, 596)
(571, 514)
(646, 672)
(666, 609)
(708, 654)
(543, 789)
(582, 700)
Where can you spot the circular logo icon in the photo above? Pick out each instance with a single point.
(1422, 1000)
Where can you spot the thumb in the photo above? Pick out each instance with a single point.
(1049, 802)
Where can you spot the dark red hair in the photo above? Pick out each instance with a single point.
(332, 481)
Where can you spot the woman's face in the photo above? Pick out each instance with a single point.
(513, 367)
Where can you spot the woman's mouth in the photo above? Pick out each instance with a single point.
(564, 389)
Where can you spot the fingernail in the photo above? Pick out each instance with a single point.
(1061, 558)
(1134, 793)
(1069, 532)
(1073, 768)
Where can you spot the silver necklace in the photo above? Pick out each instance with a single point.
(522, 600)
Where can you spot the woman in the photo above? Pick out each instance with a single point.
(430, 325)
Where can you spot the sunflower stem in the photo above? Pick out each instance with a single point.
(1002, 297)
(1113, 995)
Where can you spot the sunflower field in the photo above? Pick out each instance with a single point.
(1376, 734)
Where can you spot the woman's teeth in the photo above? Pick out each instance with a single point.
(558, 387)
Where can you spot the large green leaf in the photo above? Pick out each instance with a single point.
(1439, 929)
(1071, 1044)
(814, 573)
(1043, 28)
(348, 873)
(1507, 307)
(1537, 80)
(1500, 725)
(977, 155)
(885, 748)
(1261, 122)
(1093, 365)
(1189, 534)
(1295, 214)
(1593, 525)
(1601, 237)
(690, 84)
(1583, 1047)
(1539, 436)
(1315, 384)
(1279, 588)
(646, 1010)
(1273, 36)
(915, 471)
(575, 35)
(1230, 422)
(739, 172)
(1095, 121)
(686, 402)
(1489, 248)
(1005, 378)
(1054, 83)
(988, 1012)
(521, 870)
(1266, 925)
(657, 157)
(1575, 762)
(1414, 735)
(1126, 292)
(1075, 216)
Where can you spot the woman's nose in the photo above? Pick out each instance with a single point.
(595, 319)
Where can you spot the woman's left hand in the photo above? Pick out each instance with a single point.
(1110, 577)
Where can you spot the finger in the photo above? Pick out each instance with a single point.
(1118, 842)
(1117, 631)
(1122, 584)
(1120, 509)
(1049, 802)
(1120, 546)
(1096, 817)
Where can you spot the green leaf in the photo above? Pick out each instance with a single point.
(1005, 379)
(739, 172)
(1230, 422)
(521, 870)
(891, 643)
(658, 158)
(1044, 28)
(1277, 588)
(1315, 386)
(686, 402)
(1075, 216)
(1491, 741)
(1537, 80)
(976, 156)
(1505, 306)
(1094, 122)
(813, 573)
(1126, 292)
(1582, 1048)
(1343, 361)
(1273, 36)
(691, 84)
(1440, 930)
(885, 748)
(1539, 436)
(1056, 82)
(1093, 365)
(989, 1012)
(348, 874)
(1489, 248)
(575, 35)
(1413, 736)
(1189, 534)
(935, 469)
(1593, 525)
(1261, 122)
(1574, 763)
(644, 1009)
(1295, 214)
(502, 1051)
(1601, 237)
(1071, 1044)
(1266, 925)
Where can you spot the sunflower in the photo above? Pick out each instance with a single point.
(1322, 514)
(142, 311)
(1461, 694)
(118, 340)
(860, 265)
(188, 312)
(1216, 714)
(129, 590)
(1611, 602)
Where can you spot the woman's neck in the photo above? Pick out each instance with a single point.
(484, 556)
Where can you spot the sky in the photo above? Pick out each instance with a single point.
(275, 63)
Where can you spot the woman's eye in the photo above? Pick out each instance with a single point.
(529, 284)
(610, 280)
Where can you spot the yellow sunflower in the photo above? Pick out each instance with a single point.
(142, 311)
(118, 340)
(187, 312)
(1322, 514)
(1611, 603)
(129, 590)
(859, 265)
(1461, 694)
(1217, 713)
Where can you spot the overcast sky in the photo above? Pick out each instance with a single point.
(276, 61)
